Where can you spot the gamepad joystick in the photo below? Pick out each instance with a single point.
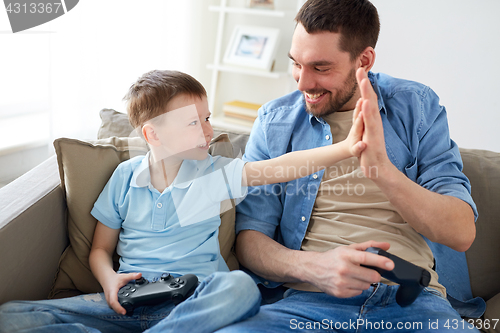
(411, 278)
(142, 292)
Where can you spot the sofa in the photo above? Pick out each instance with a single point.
(46, 228)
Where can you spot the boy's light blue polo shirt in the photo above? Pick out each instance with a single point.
(175, 231)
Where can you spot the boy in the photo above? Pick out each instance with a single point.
(161, 213)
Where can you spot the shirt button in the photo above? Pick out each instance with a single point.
(315, 176)
(327, 137)
(159, 205)
(303, 218)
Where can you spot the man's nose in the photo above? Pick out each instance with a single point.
(305, 80)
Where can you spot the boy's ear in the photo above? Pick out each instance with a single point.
(149, 133)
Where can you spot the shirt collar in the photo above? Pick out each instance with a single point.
(141, 176)
(374, 82)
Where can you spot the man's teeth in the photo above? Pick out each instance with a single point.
(314, 96)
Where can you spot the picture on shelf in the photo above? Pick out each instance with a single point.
(265, 4)
(252, 47)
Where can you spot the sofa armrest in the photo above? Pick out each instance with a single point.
(32, 233)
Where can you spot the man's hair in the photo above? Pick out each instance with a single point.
(149, 96)
(357, 22)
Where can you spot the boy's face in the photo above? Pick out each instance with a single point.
(184, 131)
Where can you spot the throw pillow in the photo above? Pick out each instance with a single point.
(114, 123)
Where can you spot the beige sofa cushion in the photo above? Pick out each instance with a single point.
(483, 170)
(85, 168)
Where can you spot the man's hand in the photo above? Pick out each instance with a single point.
(374, 159)
(338, 272)
(113, 285)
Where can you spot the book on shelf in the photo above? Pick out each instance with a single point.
(241, 110)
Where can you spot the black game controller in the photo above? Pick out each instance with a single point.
(142, 292)
(411, 278)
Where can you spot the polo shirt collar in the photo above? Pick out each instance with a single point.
(141, 176)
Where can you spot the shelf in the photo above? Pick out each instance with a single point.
(215, 99)
(247, 71)
(221, 122)
(251, 11)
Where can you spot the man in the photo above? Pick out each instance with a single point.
(310, 234)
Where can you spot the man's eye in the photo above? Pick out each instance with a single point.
(320, 69)
(193, 123)
(207, 118)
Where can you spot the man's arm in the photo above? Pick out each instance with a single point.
(441, 218)
(336, 272)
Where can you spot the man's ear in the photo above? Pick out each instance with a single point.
(367, 58)
(149, 133)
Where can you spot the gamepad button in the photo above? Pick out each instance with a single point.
(141, 281)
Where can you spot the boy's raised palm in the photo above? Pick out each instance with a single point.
(354, 142)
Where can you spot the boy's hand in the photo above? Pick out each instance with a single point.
(112, 287)
(353, 140)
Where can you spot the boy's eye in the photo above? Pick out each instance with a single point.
(207, 118)
(193, 123)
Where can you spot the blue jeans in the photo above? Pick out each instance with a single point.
(221, 299)
(375, 310)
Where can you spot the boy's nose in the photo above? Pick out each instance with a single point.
(208, 131)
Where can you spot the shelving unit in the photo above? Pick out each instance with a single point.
(218, 67)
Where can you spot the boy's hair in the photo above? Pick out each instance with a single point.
(149, 96)
(357, 22)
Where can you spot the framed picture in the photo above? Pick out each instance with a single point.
(252, 47)
(266, 4)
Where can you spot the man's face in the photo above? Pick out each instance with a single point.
(184, 130)
(323, 72)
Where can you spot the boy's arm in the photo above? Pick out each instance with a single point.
(101, 264)
(298, 164)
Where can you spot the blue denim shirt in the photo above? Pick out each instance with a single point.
(417, 143)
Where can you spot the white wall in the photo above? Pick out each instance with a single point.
(453, 47)
(72, 67)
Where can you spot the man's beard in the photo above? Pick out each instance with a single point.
(336, 103)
